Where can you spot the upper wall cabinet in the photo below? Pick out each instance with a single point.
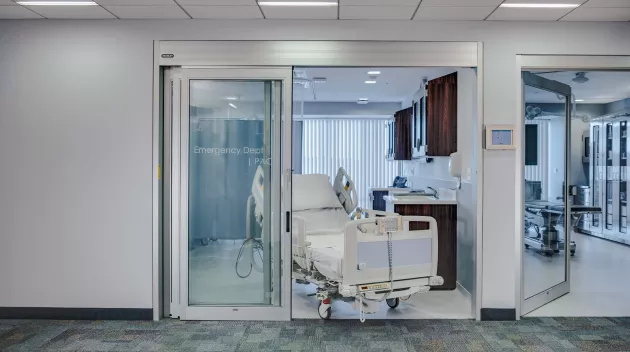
(429, 127)
(441, 124)
(403, 134)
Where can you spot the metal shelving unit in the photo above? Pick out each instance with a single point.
(608, 165)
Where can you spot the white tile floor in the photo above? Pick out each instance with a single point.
(600, 279)
(213, 280)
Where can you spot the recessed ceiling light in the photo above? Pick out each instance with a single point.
(374, 73)
(57, 3)
(297, 3)
(363, 99)
(231, 98)
(370, 82)
(528, 5)
(578, 100)
(234, 106)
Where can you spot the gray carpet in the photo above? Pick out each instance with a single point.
(534, 334)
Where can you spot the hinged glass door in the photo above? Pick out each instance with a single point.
(234, 164)
(547, 233)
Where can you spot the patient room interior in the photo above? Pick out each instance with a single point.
(596, 260)
(382, 156)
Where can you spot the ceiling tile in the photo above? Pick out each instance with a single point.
(453, 13)
(528, 14)
(299, 12)
(379, 3)
(599, 14)
(607, 3)
(135, 2)
(147, 12)
(72, 12)
(16, 12)
(218, 2)
(376, 12)
(224, 12)
(461, 3)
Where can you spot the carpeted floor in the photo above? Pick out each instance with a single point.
(532, 334)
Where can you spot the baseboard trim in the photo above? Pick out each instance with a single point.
(497, 314)
(76, 313)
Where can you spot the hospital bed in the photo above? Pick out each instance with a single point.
(363, 257)
(545, 218)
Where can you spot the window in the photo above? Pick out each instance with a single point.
(358, 145)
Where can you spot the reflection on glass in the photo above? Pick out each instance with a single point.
(229, 193)
(544, 258)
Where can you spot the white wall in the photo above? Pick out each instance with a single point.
(75, 143)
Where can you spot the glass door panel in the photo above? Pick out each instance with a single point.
(232, 241)
(547, 245)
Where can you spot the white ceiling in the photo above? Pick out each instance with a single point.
(347, 84)
(602, 87)
(426, 10)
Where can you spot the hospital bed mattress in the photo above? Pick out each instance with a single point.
(326, 251)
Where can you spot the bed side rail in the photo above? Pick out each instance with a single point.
(372, 246)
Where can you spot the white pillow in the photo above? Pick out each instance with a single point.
(313, 191)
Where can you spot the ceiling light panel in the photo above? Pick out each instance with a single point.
(298, 3)
(57, 3)
(370, 82)
(607, 14)
(148, 12)
(224, 12)
(374, 73)
(17, 13)
(376, 12)
(539, 6)
(453, 13)
(72, 12)
(544, 3)
(460, 3)
(300, 12)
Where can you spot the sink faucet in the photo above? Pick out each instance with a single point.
(435, 193)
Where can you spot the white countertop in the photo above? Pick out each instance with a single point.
(419, 200)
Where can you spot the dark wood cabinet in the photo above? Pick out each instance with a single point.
(441, 138)
(402, 134)
(446, 217)
(429, 127)
(378, 203)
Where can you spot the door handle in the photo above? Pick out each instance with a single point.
(288, 221)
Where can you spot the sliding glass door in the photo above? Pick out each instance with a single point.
(233, 166)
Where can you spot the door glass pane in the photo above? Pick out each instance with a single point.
(544, 258)
(230, 194)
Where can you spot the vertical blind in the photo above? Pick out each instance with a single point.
(358, 145)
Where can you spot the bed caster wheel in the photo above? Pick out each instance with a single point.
(526, 246)
(393, 302)
(324, 310)
(204, 241)
(573, 253)
(548, 253)
(556, 251)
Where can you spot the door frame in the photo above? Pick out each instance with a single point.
(543, 62)
(313, 53)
